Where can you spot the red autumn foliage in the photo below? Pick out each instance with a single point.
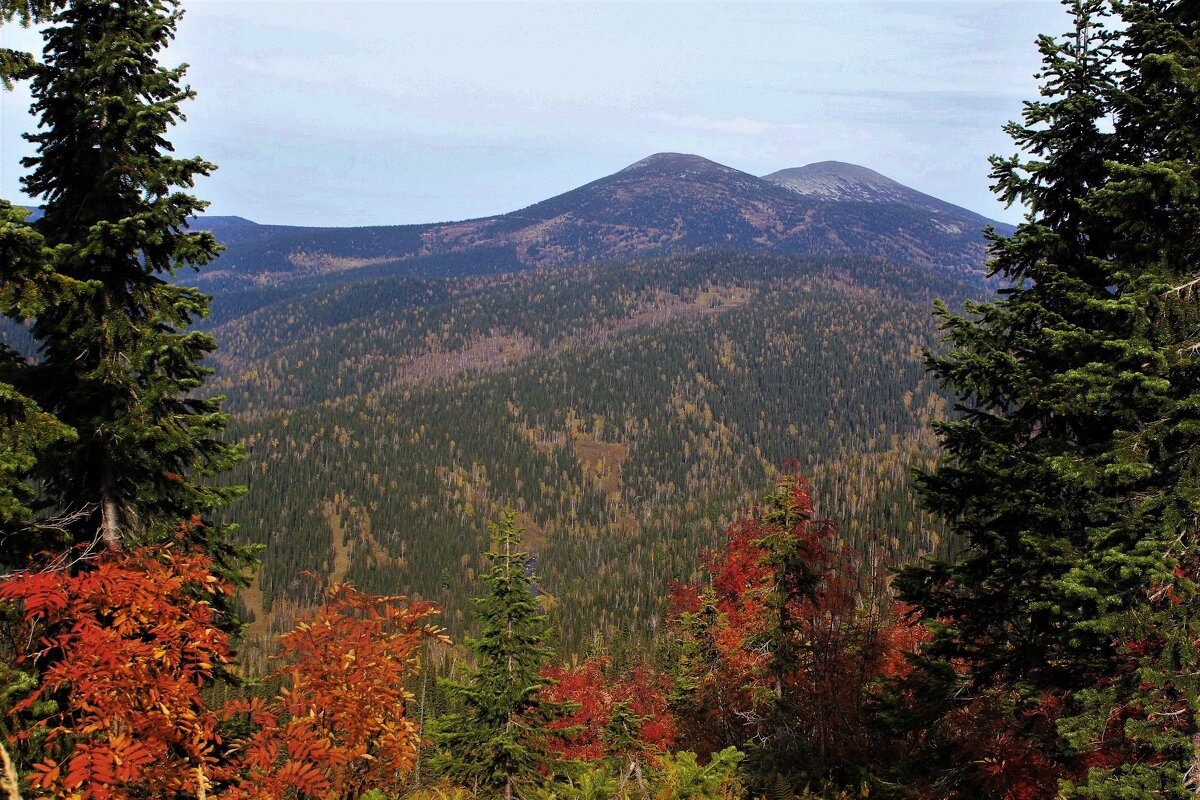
(125, 647)
(341, 726)
(640, 689)
(845, 632)
(124, 650)
(1006, 750)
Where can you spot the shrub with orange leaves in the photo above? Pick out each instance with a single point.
(124, 649)
(125, 646)
(340, 727)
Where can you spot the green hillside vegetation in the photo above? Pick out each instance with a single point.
(627, 411)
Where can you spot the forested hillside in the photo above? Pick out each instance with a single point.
(625, 409)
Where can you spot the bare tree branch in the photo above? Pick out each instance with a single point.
(60, 524)
(1183, 287)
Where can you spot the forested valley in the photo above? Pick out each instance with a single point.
(629, 412)
(788, 499)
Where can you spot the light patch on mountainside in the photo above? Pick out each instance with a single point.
(661, 307)
(483, 354)
(341, 544)
(601, 461)
(304, 264)
(471, 493)
(351, 529)
(532, 241)
(455, 235)
(493, 352)
(946, 227)
(322, 263)
(252, 598)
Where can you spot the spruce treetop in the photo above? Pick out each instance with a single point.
(496, 739)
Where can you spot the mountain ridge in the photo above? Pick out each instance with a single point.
(666, 203)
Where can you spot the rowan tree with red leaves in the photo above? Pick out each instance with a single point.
(784, 639)
(124, 650)
(598, 694)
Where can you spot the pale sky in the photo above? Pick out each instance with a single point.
(363, 113)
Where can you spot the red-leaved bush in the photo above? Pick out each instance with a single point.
(123, 649)
(640, 690)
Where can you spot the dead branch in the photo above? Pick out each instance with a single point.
(1183, 287)
(60, 524)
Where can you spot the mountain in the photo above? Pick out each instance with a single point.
(667, 203)
(836, 181)
(626, 364)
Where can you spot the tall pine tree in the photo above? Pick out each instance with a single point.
(1070, 476)
(117, 362)
(1149, 550)
(496, 739)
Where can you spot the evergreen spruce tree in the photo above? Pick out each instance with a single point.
(496, 739)
(622, 737)
(1150, 551)
(117, 363)
(26, 281)
(1071, 475)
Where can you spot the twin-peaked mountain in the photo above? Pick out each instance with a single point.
(626, 364)
(666, 204)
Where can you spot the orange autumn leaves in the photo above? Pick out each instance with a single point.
(341, 728)
(126, 647)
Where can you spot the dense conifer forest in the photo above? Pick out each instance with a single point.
(716, 524)
(628, 411)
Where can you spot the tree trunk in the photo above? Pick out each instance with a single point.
(110, 511)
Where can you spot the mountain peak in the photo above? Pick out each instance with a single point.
(665, 203)
(678, 163)
(837, 180)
